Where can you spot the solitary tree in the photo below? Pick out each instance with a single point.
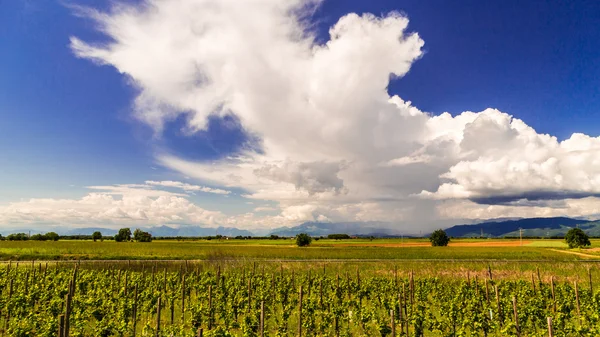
(96, 236)
(303, 240)
(52, 236)
(141, 236)
(576, 238)
(123, 235)
(439, 238)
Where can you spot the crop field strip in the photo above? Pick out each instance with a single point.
(257, 249)
(254, 299)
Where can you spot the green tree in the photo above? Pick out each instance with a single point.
(38, 237)
(123, 235)
(303, 240)
(338, 236)
(17, 237)
(96, 236)
(141, 236)
(439, 238)
(576, 238)
(52, 236)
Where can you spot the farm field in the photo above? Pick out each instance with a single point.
(286, 249)
(382, 287)
(182, 298)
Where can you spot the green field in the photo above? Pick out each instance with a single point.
(280, 249)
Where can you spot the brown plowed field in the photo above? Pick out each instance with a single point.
(499, 243)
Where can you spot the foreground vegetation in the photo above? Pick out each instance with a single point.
(245, 299)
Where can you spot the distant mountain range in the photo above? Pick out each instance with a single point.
(541, 227)
(158, 231)
(378, 229)
(531, 227)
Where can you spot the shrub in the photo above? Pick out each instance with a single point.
(439, 238)
(303, 240)
(576, 238)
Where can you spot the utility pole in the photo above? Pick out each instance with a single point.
(482, 233)
(521, 235)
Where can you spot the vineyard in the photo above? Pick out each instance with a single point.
(250, 299)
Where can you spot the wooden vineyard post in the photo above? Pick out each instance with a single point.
(404, 306)
(392, 323)
(183, 296)
(550, 330)
(591, 285)
(514, 301)
(274, 294)
(553, 297)
(126, 283)
(300, 313)
(210, 307)
(158, 318)
(400, 311)
(10, 291)
(67, 312)
(262, 318)
(487, 291)
(498, 304)
(336, 326)
(577, 301)
(61, 325)
(249, 294)
(490, 273)
(172, 310)
(308, 286)
(200, 332)
(321, 293)
(412, 289)
(135, 299)
(532, 282)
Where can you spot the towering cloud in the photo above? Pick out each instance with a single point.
(335, 144)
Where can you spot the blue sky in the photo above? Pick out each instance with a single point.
(68, 123)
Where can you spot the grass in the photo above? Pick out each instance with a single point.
(548, 244)
(275, 250)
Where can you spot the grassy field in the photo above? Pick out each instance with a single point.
(388, 249)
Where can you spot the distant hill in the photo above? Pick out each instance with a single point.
(158, 231)
(557, 226)
(505, 227)
(189, 231)
(378, 229)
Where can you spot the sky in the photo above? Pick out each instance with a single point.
(268, 113)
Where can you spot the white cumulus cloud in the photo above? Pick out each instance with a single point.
(335, 145)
